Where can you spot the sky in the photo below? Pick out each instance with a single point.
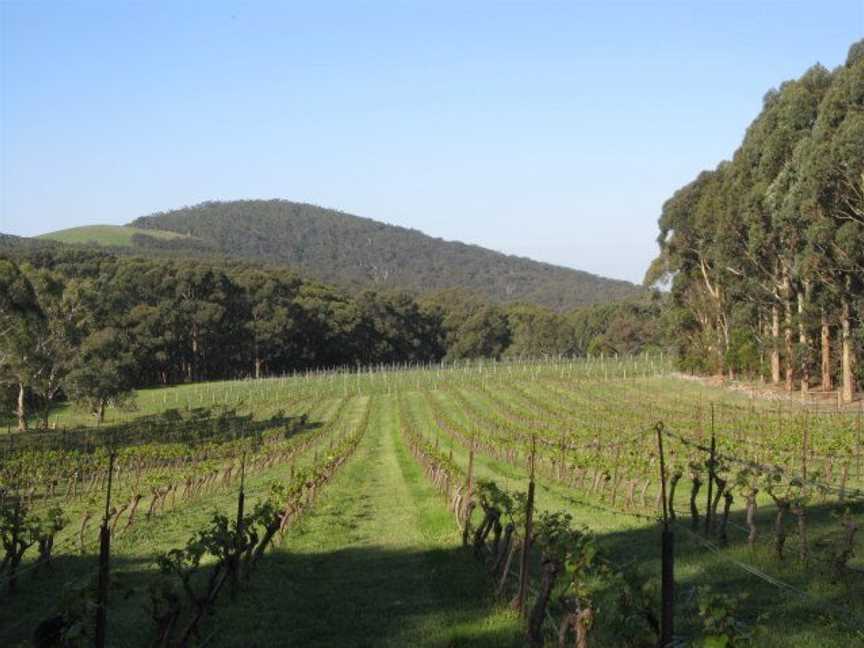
(548, 130)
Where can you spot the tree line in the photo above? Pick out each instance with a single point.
(765, 253)
(88, 326)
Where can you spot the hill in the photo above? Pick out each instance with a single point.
(337, 247)
(348, 250)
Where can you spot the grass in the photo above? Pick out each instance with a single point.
(110, 235)
(133, 554)
(378, 560)
(781, 618)
(377, 563)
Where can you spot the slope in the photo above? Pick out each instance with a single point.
(337, 247)
(109, 235)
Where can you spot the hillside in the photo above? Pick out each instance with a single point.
(338, 247)
(109, 235)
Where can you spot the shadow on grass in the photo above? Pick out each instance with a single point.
(352, 597)
(371, 596)
(367, 597)
(195, 426)
(821, 606)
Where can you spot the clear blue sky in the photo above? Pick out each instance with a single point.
(554, 131)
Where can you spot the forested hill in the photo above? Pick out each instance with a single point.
(337, 247)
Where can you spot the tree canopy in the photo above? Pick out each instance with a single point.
(765, 252)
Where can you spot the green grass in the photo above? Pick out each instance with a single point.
(110, 235)
(377, 563)
(133, 554)
(779, 617)
(378, 560)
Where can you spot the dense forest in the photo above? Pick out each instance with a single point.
(90, 326)
(765, 253)
(347, 250)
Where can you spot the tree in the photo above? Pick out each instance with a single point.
(472, 328)
(537, 331)
(274, 319)
(833, 191)
(56, 342)
(22, 324)
(102, 375)
(395, 329)
(767, 249)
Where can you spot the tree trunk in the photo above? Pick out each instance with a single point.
(21, 409)
(826, 354)
(848, 358)
(787, 334)
(775, 348)
(258, 364)
(100, 412)
(46, 414)
(805, 346)
(583, 625)
(191, 374)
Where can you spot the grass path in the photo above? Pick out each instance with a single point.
(377, 562)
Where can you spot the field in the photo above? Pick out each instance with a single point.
(376, 471)
(112, 235)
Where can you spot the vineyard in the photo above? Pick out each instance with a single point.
(485, 504)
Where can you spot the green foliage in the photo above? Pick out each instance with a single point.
(762, 247)
(103, 371)
(719, 614)
(556, 537)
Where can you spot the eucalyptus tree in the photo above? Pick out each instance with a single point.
(103, 374)
(832, 190)
(67, 318)
(22, 324)
(687, 258)
(275, 317)
(212, 313)
(735, 244)
(784, 148)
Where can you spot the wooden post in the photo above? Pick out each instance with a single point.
(667, 614)
(524, 564)
(858, 442)
(804, 451)
(468, 507)
(710, 475)
(104, 564)
(241, 500)
(469, 484)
